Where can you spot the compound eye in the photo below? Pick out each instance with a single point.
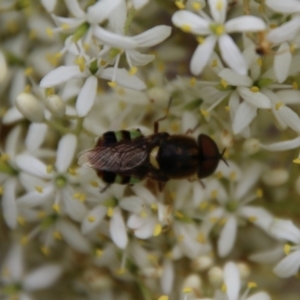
(209, 156)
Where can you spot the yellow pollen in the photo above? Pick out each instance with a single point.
(65, 26)
(28, 71)
(203, 205)
(110, 212)
(27, 89)
(56, 207)
(86, 47)
(227, 108)
(1, 190)
(143, 214)
(213, 194)
(80, 61)
(224, 83)
(112, 84)
(295, 85)
(21, 220)
(259, 193)
(186, 28)
(187, 290)
(179, 215)
(214, 63)
(154, 206)
(296, 161)
(196, 6)
(94, 183)
(254, 89)
(224, 288)
(41, 214)
(133, 70)
(192, 81)
(201, 238)
(45, 250)
(57, 235)
(99, 252)
(200, 39)
(24, 240)
(49, 32)
(278, 105)
(72, 171)
(103, 63)
(180, 238)
(251, 285)
(152, 258)
(292, 48)
(32, 34)
(120, 271)
(49, 169)
(179, 4)
(52, 59)
(91, 219)
(219, 30)
(58, 55)
(287, 249)
(157, 230)
(272, 25)
(252, 219)
(39, 189)
(219, 5)
(259, 61)
(163, 297)
(204, 112)
(232, 176)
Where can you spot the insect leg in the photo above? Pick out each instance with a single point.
(156, 123)
(191, 131)
(105, 188)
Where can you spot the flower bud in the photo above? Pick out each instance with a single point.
(251, 146)
(215, 276)
(202, 263)
(30, 107)
(275, 177)
(56, 105)
(193, 281)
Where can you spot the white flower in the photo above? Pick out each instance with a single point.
(285, 230)
(217, 30)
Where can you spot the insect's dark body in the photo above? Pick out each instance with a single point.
(127, 157)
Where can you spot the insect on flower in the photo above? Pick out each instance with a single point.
(127, 157)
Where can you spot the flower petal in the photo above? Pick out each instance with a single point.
(193, 22)
(117, 229)
(282, 62)
(245, 114)
(234, 78)
(257, 99)
(60, 75)
(232, 281)
(289, 266)
(86, 97)
(74, 8)
(65, 152)
(202, 55)
(227, 236)
(288, 6)
(93, 219)
(285, 230)
(218, 9)
(35, 136)
(259, 296)
(282, 146)
(232, 55)
(9, 207)
(14, 262)
(245, 23)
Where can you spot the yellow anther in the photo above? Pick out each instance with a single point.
(224, 83)
(251, 285)
(152, 258)
(57, 235)
(120, 271)
(163, 297)
(94, 183)
(27, 88)
(187, 290)
(204, 112)
(252, 219)
(278, 105)
(110, 212)
(154, 206)
(200, 39)
(143, 214)
(56, 207)
(99, 252)
(49, 32)
(219, 30)
(180, 4)
(45, 250)
(203, 205)
(39, 189)
(65, 26)
(91, 219)
(103, 63)
(80, 61)
(178, 215)
(259, 61)
(227, 108)
(295, 85)
(28, 71)
(219, 5)
(49, 169)
(58, 55)
(52, 59)
(133, 70)
(196, 6)
(261, 8)
(296, 161)
(214, 63)
(272, 25)
(292, 48)
(287, 249)
(224, 288)
(201, 238)
(193, 81)
(232, 176)
(86, 47)
(21, 220)
(254, 89)
(214, 194)
(186, 28)
(112, 84)
(259, 193)
(72, 171)
(157, 230)
(24, 240)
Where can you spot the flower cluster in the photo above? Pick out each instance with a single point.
(78, 73)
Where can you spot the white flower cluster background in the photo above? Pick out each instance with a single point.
(72, 70)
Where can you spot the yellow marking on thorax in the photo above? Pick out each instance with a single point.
(153, 156)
